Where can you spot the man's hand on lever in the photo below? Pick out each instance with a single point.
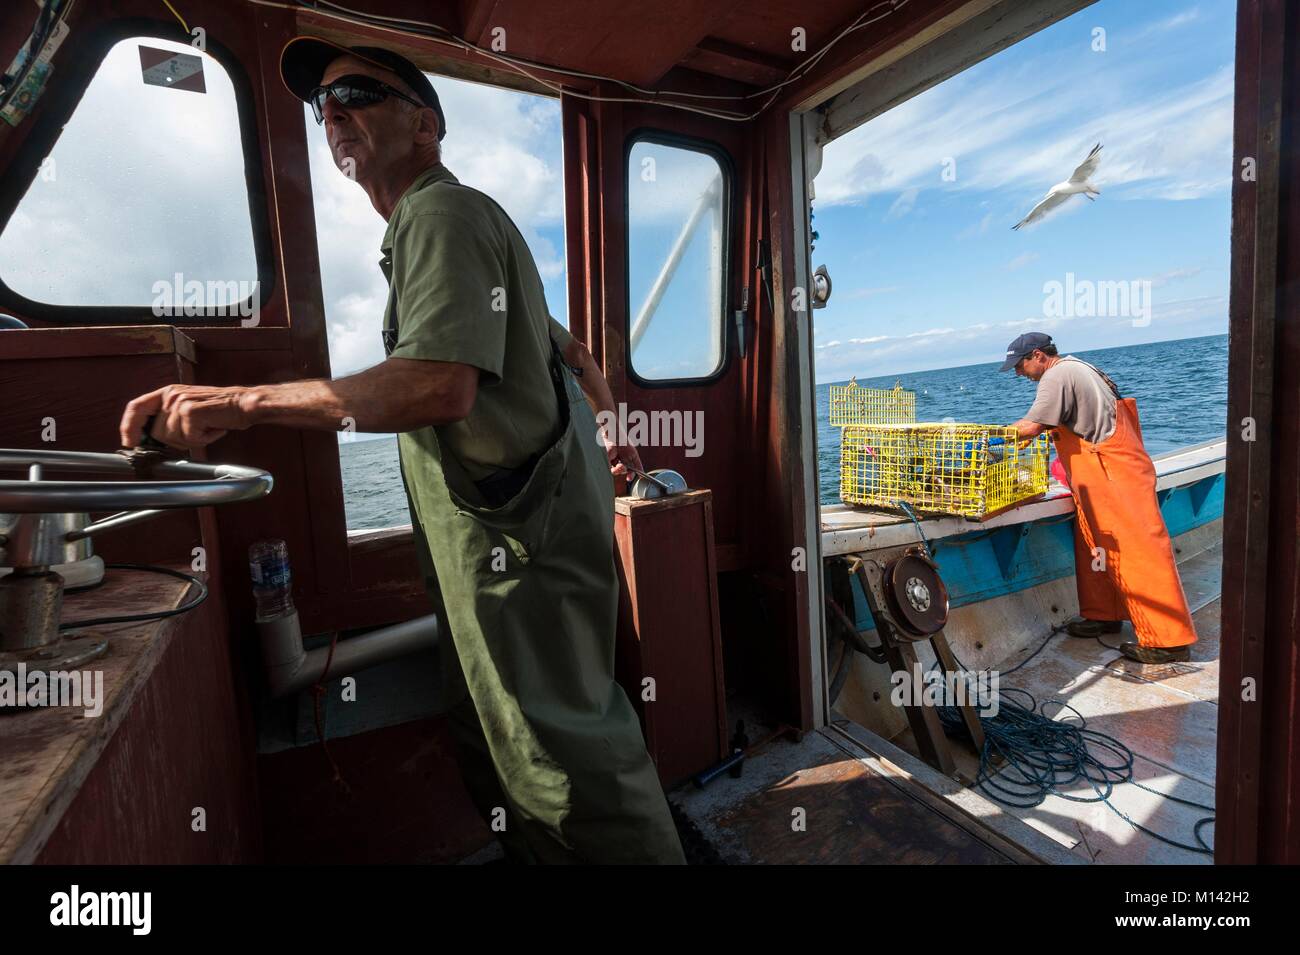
(622, 457)
(185, 416)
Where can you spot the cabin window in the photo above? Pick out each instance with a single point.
(506, 143)
(143, 201)
(676, 248)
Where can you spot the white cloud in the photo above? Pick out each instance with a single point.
(508, 145)
(902, 205)
(504, 143)
(1173, 275)
(1021, 260)
(1165, 25)
(136, 195)
(1023, 125)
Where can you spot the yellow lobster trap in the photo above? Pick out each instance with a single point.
(853, 404)
(972, 470)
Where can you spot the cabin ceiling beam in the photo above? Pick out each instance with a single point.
(631, 44)
(720, 58)
(477, 18)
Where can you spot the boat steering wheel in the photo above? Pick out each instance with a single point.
(178, 484)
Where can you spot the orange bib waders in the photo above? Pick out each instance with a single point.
(1124, 562)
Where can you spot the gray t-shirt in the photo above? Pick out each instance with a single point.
(1073, 394)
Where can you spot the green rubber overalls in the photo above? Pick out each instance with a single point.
(526, 595)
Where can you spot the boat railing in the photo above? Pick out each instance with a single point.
(847, 529)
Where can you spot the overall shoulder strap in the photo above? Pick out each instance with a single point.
(561, 375)
(1104, 377)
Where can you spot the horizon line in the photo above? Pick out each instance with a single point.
(972, 364)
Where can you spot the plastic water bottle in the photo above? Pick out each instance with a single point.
(268, 565)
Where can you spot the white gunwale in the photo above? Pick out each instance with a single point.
(848, 530)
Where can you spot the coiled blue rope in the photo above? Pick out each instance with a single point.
(1029, 756)
(1039, 756)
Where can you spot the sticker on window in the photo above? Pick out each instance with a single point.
(179, 71)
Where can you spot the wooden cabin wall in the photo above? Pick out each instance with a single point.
(1257, 790)
(750, 442)
(187, 742)
(189, 739)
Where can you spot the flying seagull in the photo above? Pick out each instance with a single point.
(1079, 182)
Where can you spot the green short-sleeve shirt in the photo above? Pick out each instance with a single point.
(463, 287)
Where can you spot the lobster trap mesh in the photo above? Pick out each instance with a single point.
(971, 470)
(852, 404)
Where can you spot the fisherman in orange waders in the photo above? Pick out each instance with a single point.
(1124, 563)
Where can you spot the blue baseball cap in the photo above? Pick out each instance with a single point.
(1024, 346)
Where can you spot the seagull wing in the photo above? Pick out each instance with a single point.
(1050, 202)
(1088, 166)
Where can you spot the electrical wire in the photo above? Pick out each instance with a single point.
(153, 615)
(842, 669)
(439, 34)
(795, 73)
(516, 64)
(859, 24)
(446, 37)
(176, 14)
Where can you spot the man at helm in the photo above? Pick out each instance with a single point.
(508, 484)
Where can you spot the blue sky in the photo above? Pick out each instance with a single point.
(929, 274)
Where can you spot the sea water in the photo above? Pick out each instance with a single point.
(1181, 389)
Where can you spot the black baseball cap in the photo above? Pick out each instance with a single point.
(304, 58)
(1023, 347)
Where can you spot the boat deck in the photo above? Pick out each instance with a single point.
(865, 799)
(1167, 715)
(830, 799)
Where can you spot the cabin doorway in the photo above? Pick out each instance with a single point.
(928, 252)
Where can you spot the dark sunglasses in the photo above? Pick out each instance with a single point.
(354, 92)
